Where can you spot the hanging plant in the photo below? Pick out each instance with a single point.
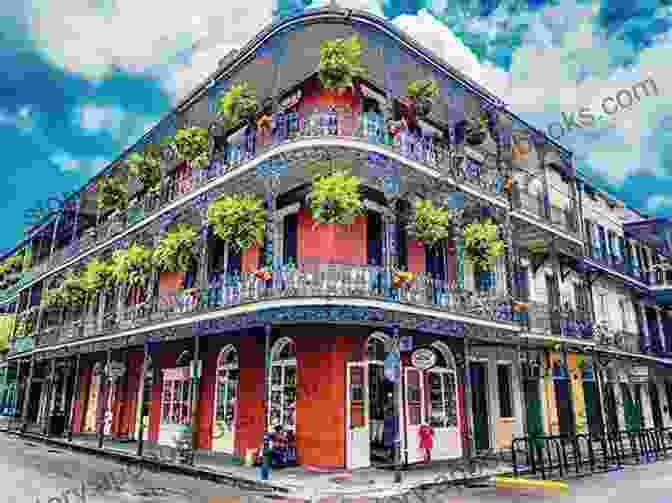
(335, 198)
(55, 297)
(430, 224)
(423, 93)
(112, 192)
(174, 252)
(146, 167)
(482, 244)
(97, 275)
(73, 290)
(239, 220)
(192, 145)
(238, 104)
(477, 130)
(340, 62)
(131, 266)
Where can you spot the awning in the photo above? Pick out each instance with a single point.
(657, 231)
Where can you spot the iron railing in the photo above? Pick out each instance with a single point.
(328, 280)
(551, 455)
(544, 318)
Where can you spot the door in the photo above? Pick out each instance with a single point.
(479, 400)
(414, 392)
(533, 409)
(226, 400)
(592, 403)
(443, 407)
(175, 403)
(655, 405)
(563, 402)
(358, 442)
(610, 406)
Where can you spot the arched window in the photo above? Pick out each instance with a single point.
(442, 382)
(282, 389)
(226, 398)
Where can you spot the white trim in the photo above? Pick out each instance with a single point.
(615, 273)
(447, 354)
(286, 211)
(258, 306)
(287, 147)
(373, 206)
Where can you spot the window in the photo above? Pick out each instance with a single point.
(176, 396)
(504, 385)
(227, 388)
(443, 410)
(283, 385)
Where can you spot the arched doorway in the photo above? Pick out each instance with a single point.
(226, 400)
(443, 407)
(282, 388)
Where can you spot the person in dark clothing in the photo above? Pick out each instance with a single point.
(390, 426)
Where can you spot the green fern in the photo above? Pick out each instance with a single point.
(336, 198)
(430, 224)
(174, 252)
(147, 167)
(239, 220)
(192, 145)
(131, 266)
(237, 104)
(482, 245)
(340, 62)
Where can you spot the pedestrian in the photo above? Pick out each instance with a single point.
(264, 458)
(426, 437)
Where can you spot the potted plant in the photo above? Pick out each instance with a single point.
(340, 63)
(238, 104)
(55, 297)
(430, 224)
(146, 167)
(477, 129)
(482, 244)
(239, 220)
(73, 290)
(131, 266)
(192, 145)
(97, 275)
(422, 93)
(174, 252)
(112, 192)
(335, 198)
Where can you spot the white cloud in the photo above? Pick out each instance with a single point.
(86, 167)
(125, 128)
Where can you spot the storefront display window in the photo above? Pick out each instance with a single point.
(283, 385)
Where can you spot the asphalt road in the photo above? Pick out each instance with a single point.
(32, 472)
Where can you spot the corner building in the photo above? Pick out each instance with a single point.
(220, 353)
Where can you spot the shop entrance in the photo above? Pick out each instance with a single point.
(479, 399)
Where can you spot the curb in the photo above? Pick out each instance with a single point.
(193, 471)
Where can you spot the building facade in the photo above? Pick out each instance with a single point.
(567, 331)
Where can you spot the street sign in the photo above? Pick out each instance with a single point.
(392, 367)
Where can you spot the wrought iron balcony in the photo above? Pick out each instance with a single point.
(619, 265)
(576, 323)
(331, 281)
(430, 151)
(564, 219)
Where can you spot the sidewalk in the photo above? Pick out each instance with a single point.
(295, 483)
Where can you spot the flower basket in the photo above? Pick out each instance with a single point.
(402, 279)
(336, 198)
(192, 145)
(263, 275)
(482, 245)
(340, 62)
(146, 167)
(239, 220)
(430, 224)
(174, 253)
(238, 104)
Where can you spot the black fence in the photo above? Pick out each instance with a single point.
(582, 454)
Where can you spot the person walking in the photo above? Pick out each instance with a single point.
(265, 457)
(426, 438)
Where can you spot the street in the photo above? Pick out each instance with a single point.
(36, 472)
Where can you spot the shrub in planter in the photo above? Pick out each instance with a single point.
(55, 297)
(423, 93)
(239, 220)
(112, 192)
(482, 245)
(238, 104)
(335, 198)
(131, 266)
(477, 130)
(193, 146)
(174, 252)
(96, 276)
(340, 62)
(73, 289)
(146, 167)
(430, 224)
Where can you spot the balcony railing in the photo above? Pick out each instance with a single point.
(618, 265)
(560, 322)
(332, 281)
(561, 218)
(430, 151)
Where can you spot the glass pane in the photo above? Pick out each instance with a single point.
(357, 384)
(413, 386)
(276, 375)
(450, 392)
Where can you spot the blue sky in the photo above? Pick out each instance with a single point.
(84, 79)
